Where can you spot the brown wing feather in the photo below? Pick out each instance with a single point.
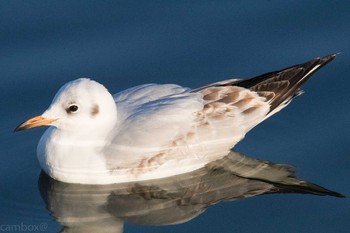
(284, 84)
(278, 87)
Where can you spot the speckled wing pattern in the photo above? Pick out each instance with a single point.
(278, 87)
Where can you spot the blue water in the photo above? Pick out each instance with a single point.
(44, 44)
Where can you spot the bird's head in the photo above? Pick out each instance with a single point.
(81, 106)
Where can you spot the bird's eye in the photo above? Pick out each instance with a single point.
(73, 108)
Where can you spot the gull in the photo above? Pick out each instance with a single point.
(156, 130)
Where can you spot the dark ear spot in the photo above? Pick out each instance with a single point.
(94, 110)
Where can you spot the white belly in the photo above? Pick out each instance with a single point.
(87, 164)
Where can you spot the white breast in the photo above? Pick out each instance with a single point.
(71, 160)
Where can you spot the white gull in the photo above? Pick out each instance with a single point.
(153, 131)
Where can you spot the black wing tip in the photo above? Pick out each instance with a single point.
(317, 62)
(330, 56)
(326, 59)
(313, 66)
(307, 66)
(248, 83)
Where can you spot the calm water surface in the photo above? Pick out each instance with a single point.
(191, 43)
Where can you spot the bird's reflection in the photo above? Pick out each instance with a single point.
(173, 200)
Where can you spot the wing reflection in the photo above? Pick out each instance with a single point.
(173, 200)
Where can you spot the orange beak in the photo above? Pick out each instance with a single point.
(34, 122)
